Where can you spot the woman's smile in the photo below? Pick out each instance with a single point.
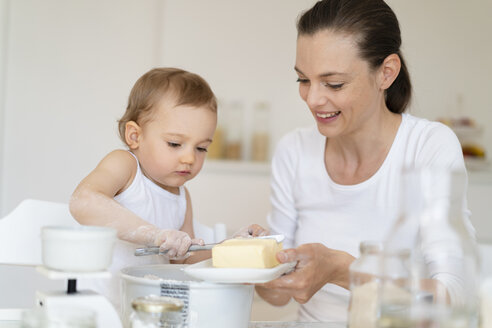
(327, 117)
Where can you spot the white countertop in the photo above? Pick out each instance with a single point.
(269, 324)
(272, 324)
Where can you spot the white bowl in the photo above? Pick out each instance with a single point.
(77, 249)
(208, 305)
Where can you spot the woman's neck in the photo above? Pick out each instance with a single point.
(354, 158)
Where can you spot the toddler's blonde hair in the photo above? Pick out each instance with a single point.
(183, 87)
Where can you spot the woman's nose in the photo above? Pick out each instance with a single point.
(315, 96)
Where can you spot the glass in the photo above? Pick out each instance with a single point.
(364, 284)
(438, 283)
(156, 312)
(58, 317)
(486, 303)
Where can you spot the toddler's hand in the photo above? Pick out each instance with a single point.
(253, 230)
(175, 241)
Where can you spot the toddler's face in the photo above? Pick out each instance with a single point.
(173, 144)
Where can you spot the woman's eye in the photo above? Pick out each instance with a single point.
(202, 149)
(333, 86)
(302, 81)
(173, 144)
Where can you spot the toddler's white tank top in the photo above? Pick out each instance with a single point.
(154, 205)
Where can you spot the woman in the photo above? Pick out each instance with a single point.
(336, 184)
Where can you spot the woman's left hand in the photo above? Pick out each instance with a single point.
(316, 266)
(253, 230)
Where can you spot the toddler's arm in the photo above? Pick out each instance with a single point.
(92, 203)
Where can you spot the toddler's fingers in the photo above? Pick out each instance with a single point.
(171, 253)
(197, 241)
(183, 246)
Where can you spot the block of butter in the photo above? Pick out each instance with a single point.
(246, 253)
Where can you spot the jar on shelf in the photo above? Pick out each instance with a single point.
(260, 138)
(363, 274)
(234, 131)
(156, 312)
(216, 148)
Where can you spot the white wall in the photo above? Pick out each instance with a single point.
(71, 67)
(245, 49)
(448, 46)
(4, 4)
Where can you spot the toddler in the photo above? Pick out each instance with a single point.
(167, 127)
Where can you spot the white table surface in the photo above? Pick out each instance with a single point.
(272, 324)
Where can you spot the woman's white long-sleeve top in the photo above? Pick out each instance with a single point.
(309, 207)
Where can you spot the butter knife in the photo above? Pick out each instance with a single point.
(154, 250)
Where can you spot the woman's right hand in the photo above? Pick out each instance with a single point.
(175, 242)
(316, 266)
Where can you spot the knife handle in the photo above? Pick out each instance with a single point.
(154, 250)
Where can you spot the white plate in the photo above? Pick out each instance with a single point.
(205, 271)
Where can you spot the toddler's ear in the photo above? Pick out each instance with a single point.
(132, 134)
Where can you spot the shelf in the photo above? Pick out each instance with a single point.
(477, 164)
(480, 176)
(236, 167)
(467, 133)
(479, 171)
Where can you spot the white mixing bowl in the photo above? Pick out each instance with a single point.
(207, 305)
(77, 249)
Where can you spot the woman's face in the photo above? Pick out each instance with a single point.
(338, 86)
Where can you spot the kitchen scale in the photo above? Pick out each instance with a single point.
(106, 315)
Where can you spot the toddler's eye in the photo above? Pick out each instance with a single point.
(202, 149)
(173, 144)
(302, 81)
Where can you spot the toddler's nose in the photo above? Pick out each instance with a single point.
(188, 157)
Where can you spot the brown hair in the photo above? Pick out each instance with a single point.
(377, 33)
(184, 87)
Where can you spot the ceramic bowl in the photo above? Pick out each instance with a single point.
(77, 249)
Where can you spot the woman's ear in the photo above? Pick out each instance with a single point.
(132, 134)
(389, 70)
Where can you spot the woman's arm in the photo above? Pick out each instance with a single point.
(316, 266)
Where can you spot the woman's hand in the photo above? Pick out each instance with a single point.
(253, 230)
(316, 266)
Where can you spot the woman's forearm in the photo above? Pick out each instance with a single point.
(273, 296)
(339, 275)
